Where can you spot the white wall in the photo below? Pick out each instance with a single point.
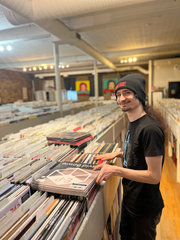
(165, 71)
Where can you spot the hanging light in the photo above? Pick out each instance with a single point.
(45, 67)
(130, 59)
(51, 67)
(24, 69)
(9, 48)
(63, 66)
(30, 69)
(134, 59)
(1, 48)
(122, 61)
(59, 66)
(67, 65)
(40, 68)
(125, 61)
(34, 68)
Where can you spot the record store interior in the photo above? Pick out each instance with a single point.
(61, 65)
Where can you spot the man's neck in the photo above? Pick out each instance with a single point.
(135, 114)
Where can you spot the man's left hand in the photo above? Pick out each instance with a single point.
(106, 172)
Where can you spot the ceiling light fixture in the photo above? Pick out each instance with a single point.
(24, 69)
(67, 66)
(63, 66)
(130, 59)
(45, 67)
(51, 67)
(1, 48)
(40, 68)
(34, 68)
(122, 61)
(59, 66)
(134, 59)
(9, 48)
(125, 61)
(30, 69)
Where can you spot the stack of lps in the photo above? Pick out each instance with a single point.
(72, 138)
(43, 217)
(20, 158)
(12, 196)
(101, 148)
(65, 178)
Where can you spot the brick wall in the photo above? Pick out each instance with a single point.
(11, 84)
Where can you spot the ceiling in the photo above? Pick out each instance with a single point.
(147, 31)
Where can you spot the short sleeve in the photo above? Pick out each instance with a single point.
(153, 141)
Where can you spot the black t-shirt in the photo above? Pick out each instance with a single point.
(144, 139)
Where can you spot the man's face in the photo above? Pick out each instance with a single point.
(127, 100)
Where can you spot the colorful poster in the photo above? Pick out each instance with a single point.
(83, 87)
(109, 84)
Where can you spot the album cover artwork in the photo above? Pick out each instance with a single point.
(64, 179)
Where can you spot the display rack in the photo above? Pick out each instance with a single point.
(114, 130)
(95, 221)
(100, 209)
(17, 126)
(174, 127)
(102, 205)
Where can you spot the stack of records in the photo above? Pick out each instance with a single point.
(72, 138)
(66, 178)
(43, 217)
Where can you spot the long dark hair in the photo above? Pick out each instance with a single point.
(157, 117)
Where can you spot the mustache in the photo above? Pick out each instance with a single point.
(122, 102)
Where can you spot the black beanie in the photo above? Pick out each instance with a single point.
(135, 83)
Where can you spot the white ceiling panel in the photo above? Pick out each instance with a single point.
(4, 23)
(34, 50)
(148, 30)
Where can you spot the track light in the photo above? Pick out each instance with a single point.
(9, 48)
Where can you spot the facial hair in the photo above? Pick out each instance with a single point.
(126, 109)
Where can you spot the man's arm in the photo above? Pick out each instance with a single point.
(152, 175)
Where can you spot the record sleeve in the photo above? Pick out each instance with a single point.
(71, 137)
(66, 178)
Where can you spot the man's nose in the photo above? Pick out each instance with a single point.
(122, 98)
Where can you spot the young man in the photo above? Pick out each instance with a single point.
(143, 159)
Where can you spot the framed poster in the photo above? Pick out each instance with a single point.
(82, 85)
(109, 84)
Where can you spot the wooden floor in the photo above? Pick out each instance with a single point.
(169, 226)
